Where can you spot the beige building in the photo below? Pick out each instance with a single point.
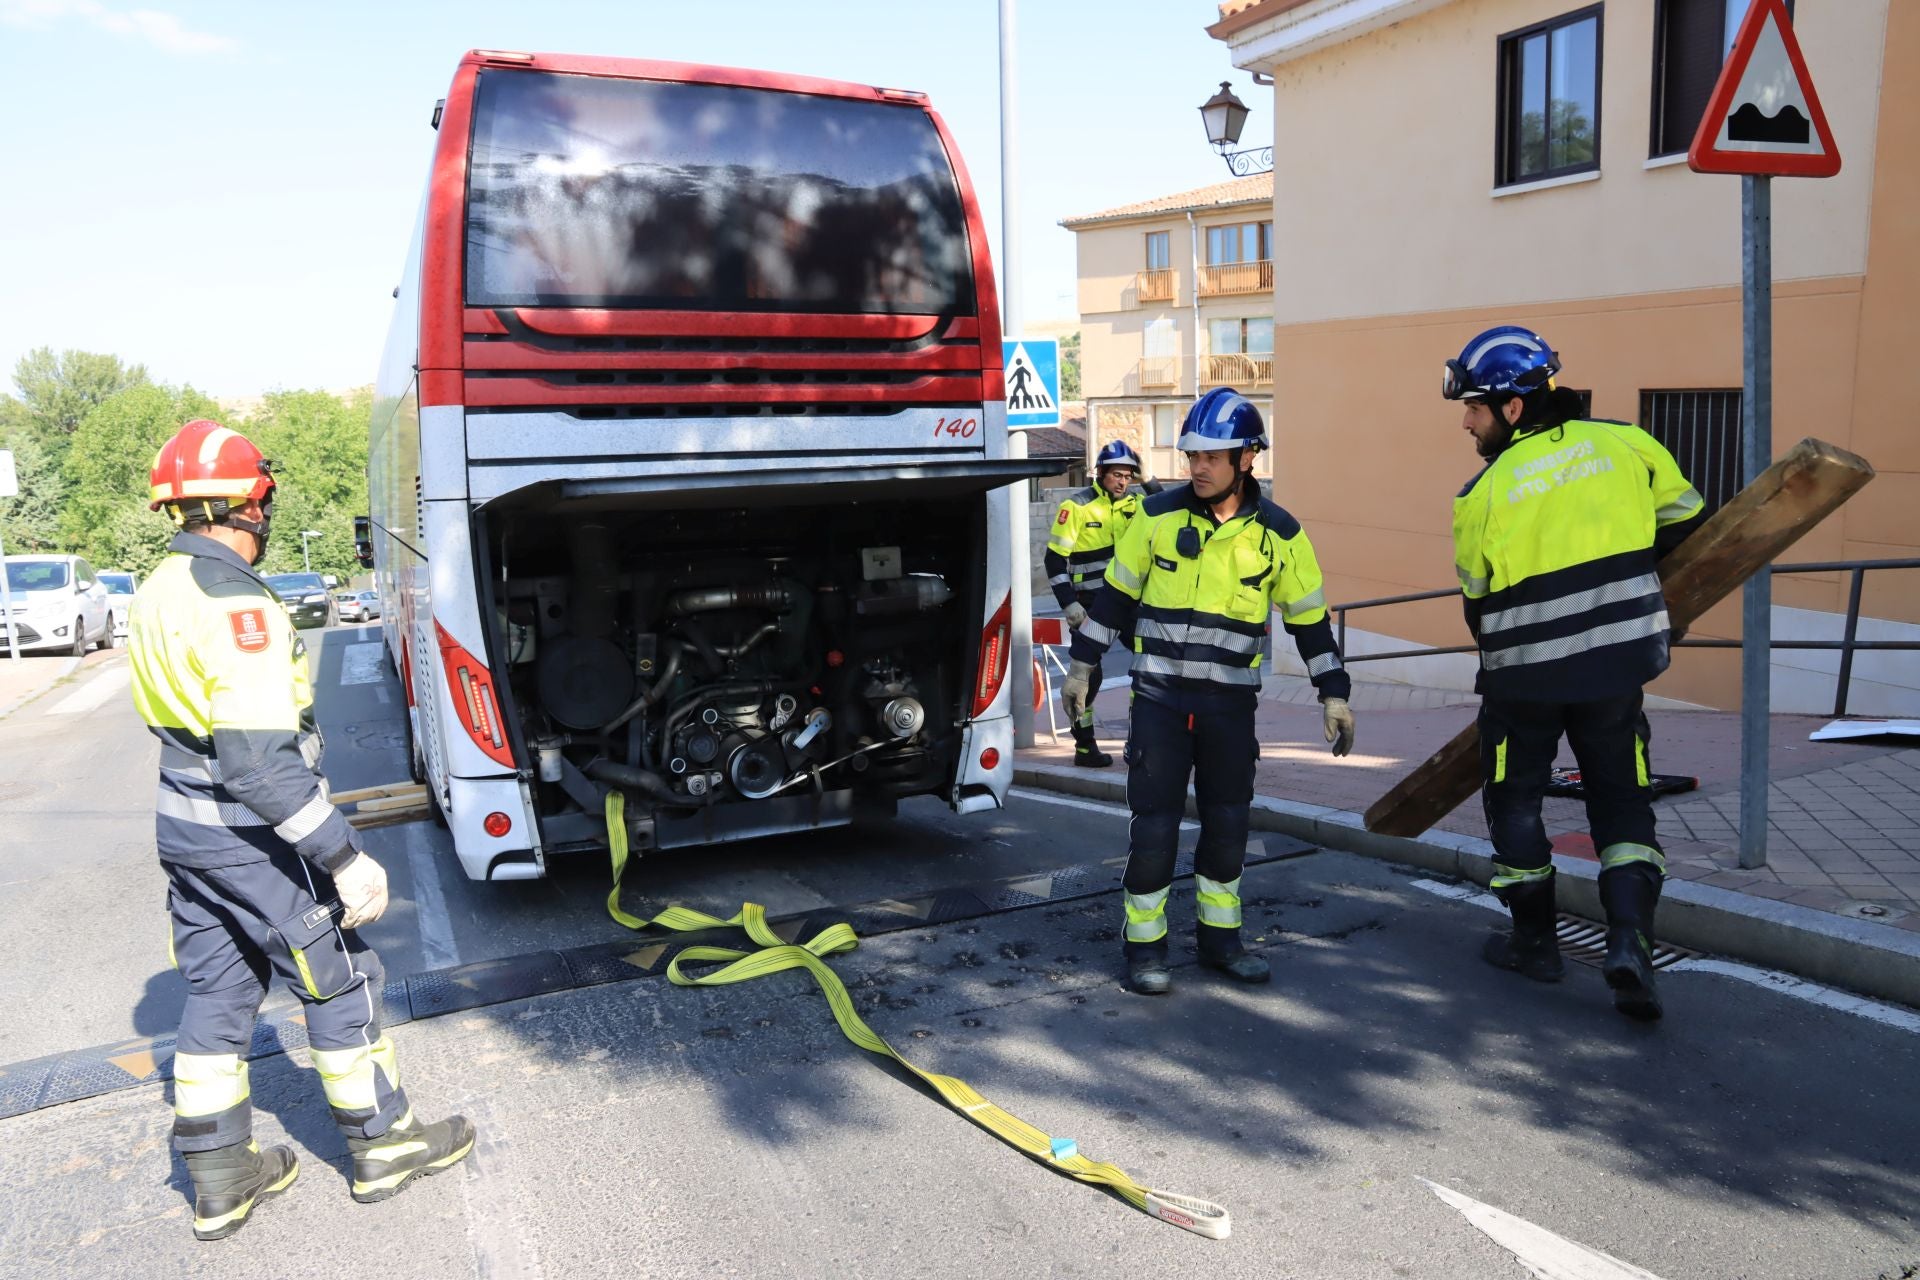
(1176, 296)
(1431, 187)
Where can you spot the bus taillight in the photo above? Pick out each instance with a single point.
(996, 643)
(473, 698)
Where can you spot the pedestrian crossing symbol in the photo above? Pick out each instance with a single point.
(1033, 382)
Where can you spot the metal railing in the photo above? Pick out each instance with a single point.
(1847, 645)
(1241, 370)
(1236, 277)
(1155, 286)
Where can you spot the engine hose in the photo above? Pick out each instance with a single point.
(693, 631)
(745, 646)
(766, 595)
(646, 782)
(651, 694)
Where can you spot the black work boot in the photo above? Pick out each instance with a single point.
(1086, 750)
(1220, 949)
(383, 1166)
(1147, 970)
(229, 1181)
(1532, 949)
(1629, 895)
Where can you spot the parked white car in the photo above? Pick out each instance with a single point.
(59, 605)
(120, 588)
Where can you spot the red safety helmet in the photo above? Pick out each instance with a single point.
(211, 463)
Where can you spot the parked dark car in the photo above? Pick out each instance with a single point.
(306, 598)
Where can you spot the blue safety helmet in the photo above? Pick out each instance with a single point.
(1506, 360)
(1222, 419)
(1116, 454)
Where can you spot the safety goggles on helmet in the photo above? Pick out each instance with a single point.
(1457, 382)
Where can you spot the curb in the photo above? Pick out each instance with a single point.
(1869, 959)
(67, 668)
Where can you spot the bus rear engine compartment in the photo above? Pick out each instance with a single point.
(707, 662)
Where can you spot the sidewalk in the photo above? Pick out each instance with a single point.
(33, 675)
(1845, 835)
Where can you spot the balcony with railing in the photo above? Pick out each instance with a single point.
(1154, 286)
(1234, 370)
(1159, 373)
(1219, 279)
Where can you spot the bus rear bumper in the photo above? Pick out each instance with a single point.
(513, 855)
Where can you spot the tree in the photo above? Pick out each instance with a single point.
(105, 516)
(1070, 366)
(59, 391)
(31, 521)
(318, 443)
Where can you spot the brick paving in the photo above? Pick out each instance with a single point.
(1844, 817)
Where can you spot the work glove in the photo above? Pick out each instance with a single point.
(1337, 718)
(362, 887)
(1075, 614)
(1073, 691)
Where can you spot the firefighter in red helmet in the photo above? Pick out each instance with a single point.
(264, 874)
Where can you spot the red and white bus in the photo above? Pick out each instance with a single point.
(688, 460)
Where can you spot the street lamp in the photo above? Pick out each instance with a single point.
(305, 560)
(1224, 115)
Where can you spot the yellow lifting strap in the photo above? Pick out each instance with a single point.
(776, 955)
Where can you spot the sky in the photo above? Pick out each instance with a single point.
(223, 191)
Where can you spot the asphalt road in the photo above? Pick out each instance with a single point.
(644, 1129)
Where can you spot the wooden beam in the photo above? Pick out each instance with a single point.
(1751, 531)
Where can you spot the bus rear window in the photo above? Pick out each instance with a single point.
(594, 192)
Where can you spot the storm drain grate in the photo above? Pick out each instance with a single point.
(1586, 942)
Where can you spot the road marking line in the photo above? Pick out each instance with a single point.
(1772, 979)
(437, 947)
(1461, 893)
(1801, 989)
(1113, 810)
(360, 665)
(1546, 1255)
(93, 693)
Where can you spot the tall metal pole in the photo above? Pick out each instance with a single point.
(1020, 676)
(1756, 455)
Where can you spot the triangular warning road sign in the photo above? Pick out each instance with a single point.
(1764, 117)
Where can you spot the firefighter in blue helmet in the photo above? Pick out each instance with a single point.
(1085, 528)
(1557, 542)
(264, 876)
(1193, 580)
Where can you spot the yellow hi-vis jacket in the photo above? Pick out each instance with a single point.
(220, 677)
(1196, 595)
(1556, 543)
(1081, 542)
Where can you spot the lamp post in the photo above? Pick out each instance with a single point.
(306, 561)
(1224, 115)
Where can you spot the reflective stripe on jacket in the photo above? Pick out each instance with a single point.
(1556, 544)
(1198, 613)
(1080, 543)
(220, 677)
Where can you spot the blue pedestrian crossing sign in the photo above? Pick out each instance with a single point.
(1033, 382)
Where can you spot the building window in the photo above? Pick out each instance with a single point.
(1549, 114)
(1701, 429)
(1166, 425)
(1240, 242)
(1240, 352)
(1691, 41)
(1159, 256)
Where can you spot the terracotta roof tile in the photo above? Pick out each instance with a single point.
(1255, 190)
